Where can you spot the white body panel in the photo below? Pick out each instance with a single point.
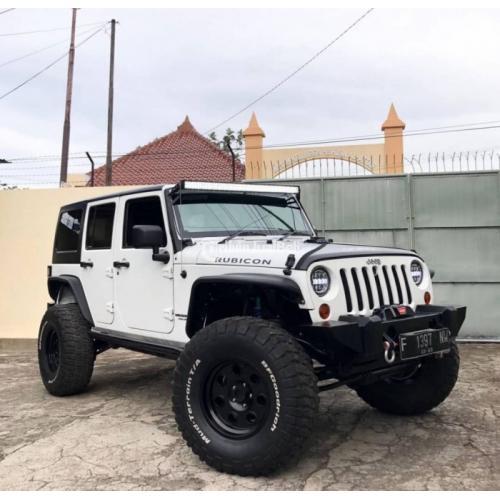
(144, 292)
(97, 281)
(150, 300)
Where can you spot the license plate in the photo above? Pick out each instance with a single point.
(423, 342)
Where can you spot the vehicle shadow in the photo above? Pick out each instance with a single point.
(352, 446)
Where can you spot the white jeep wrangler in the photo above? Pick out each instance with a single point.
(260, 312)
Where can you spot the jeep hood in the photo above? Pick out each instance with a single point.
(263, 252)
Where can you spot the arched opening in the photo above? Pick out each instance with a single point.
(323, 167)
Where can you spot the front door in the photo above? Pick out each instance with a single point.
(97, 260)
(144, 288)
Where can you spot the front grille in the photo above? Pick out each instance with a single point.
(369, 287)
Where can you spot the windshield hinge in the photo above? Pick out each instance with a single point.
(290, 262)
(168, 272)
(168, 314)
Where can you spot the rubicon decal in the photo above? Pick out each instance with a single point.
(243, 260)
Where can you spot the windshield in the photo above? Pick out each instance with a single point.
(222, 214)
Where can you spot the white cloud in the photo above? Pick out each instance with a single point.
(439, 67)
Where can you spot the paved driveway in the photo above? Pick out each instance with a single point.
(121, 434)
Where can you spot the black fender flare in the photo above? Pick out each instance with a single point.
(54, 284)
(286, 285)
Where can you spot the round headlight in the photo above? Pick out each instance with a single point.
(320, 281)
(417, 272)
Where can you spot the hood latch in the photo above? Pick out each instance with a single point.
(290, 262)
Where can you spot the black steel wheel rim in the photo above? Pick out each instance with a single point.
(52, 350)
(237, 398)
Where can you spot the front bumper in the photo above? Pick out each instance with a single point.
(359, 341)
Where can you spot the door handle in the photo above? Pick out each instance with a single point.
(121, 263)
(86, 264)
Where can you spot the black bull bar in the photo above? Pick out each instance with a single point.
(355, 340)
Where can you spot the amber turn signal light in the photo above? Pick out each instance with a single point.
(427, 297)
(324, 311)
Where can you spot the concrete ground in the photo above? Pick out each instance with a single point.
(121, 434)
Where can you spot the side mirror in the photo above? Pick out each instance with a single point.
(145, 236)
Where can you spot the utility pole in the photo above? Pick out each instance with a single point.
(67, 112)
(109, 152)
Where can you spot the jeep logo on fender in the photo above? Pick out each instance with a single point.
(373, 262)
(243, 260)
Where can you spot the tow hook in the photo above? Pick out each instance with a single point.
(389, 350)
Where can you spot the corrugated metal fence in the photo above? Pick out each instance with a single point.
(452, 220)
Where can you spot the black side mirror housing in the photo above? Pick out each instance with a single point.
(145, 236)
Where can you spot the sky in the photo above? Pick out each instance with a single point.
(439, 67)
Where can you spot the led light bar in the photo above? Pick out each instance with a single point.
(239, 187)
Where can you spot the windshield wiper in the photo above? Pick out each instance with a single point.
(293, 232)
(276, 216)
(243, 232)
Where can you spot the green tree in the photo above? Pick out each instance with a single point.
(234, 139)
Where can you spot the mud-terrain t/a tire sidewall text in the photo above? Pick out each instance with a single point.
(282, 365)
(70, 370)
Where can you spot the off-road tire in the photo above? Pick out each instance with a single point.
(292, 402)
(65, 327)
(430, 385)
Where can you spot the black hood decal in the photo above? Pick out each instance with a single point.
(328, 251)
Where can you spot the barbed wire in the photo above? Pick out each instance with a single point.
(242, 149)
(309, 167)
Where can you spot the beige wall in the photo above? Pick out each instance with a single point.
(27, 225)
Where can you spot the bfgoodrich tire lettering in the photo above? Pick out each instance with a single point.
(65, 350)
(425, 387)
(245, 396)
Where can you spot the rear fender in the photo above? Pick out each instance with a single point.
(68, 289)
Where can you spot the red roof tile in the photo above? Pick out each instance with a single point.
(183, 154)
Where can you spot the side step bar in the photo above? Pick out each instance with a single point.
(167, 349)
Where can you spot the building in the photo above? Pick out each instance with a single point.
(182, 154)
(360, 158)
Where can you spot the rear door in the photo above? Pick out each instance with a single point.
(144, 292)
(97, 259)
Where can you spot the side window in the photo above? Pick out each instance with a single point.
(68, 231)
(140, 211)
(100, 227)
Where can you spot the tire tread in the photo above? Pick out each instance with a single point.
(292, 364)
(77, 350)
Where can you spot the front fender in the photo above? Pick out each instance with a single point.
(285, 285)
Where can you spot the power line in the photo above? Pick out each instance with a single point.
(408, 133)
(6, 63)
(300, 68)
(100, 154)
(180, 153)
(46, 31)
(48, 66)
(432, 131)
(5, 11)
(381, 136)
